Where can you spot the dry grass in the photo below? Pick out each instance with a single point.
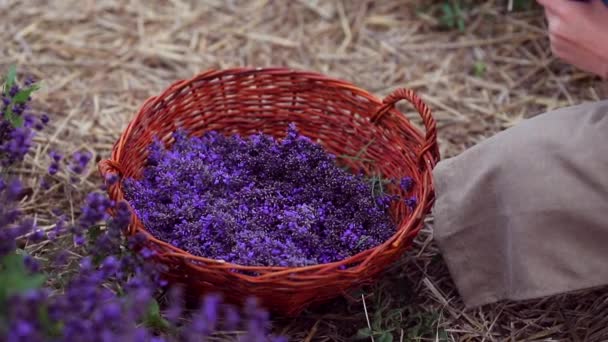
(101, 59)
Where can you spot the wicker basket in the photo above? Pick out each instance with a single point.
(341, 116)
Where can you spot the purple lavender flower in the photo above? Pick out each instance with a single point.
(37, 236)
(12, 225)
(112, 179)
(257, 200)
(13, 190)
(13, 91)
(55, 159)
(411, 202)
(53, 169)
(94, 210)
(31, 264)
(28, 119)
(406, 184)
(21, 331)
(55, 156)
(80, 160)
(18, 143)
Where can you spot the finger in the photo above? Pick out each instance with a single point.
(577, 55)
(583, 30)
(562, 7)
(555, 24)
(561, 47)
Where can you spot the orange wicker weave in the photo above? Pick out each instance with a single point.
(342, 117)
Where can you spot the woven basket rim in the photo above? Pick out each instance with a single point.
(429, 156)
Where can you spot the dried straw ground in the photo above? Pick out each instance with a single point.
(101, 59)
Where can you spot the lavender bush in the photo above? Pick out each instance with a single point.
(259, 201)
(17, 123)
(111, 293)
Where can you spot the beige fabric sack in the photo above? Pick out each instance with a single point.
(524, 214)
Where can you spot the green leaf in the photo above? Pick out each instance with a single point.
(426, 323)
(479, 68)
(449, 16)
(364, 333)
(51, 328)
(33, 281)
(10, 77)
(457, 9)
(15, 120)
(393, 314)
(154, 319)
(448, 12)
(12, 262)
(453, 16)
(520, 5)
(377, 323)
(15, 278)
(153, 309)
(443, 335)
(385, 337)
(461, 24)
(24, 94)
(93, 233)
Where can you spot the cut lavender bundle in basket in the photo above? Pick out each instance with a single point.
(258, 200)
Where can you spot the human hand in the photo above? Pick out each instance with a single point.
(578, 32)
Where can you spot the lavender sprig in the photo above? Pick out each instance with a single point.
(16, 122)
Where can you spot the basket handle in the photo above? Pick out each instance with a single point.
(429, 147)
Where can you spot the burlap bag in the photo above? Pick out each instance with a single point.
(524, 214)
